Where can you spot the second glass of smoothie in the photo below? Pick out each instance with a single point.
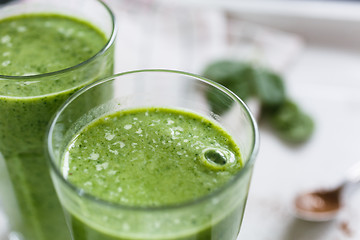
(48, 50)
(154, 160)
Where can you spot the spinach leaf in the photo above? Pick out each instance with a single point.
(290, 122)
(270, 87)
(218, 101)
(236, 76)
(247, 80)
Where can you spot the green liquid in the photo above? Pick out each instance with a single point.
(152, 157)
(37, 44)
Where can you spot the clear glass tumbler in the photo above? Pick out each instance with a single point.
(216, 216)
(26, 105)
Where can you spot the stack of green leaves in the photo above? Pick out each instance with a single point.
(247, 81)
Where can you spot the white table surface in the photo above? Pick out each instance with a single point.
(326, 83)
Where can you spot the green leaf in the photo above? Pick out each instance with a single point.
(219, 102)
(224, 70)
(290, 122)
(247, 80)
(236, 76)
(269, 87)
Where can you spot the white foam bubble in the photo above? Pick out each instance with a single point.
(21, 29)
(109, 136)
(102, 166)
(5, 63)
(94, 156)
(5, 39)
(128, 126)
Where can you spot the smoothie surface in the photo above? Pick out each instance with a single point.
(41, 43)
(151, 157)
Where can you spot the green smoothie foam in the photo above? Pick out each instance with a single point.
(150, 157)
(29, 45)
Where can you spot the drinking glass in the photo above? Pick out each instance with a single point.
(216, 216)
(26, 105)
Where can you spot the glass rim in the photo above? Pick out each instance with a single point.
(108, 44)
(250, 160)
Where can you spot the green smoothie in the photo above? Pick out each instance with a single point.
(36, 44)
(151, 157)
(30, 45)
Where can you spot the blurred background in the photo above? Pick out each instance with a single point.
(314, 46)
